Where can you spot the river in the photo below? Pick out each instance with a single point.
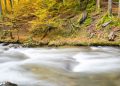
(81, 66)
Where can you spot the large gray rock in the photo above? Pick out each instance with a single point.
(8, 84)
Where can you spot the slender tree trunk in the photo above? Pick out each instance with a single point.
(119, 10)
(5, 2)
(18, 38)
(110, 7)
(3, 6)
(0, 8)
(11, 3)
(8, 5)
(98, 5)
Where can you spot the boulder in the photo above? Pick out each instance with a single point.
(8, 84)
(14, 46)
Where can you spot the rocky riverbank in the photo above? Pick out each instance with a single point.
(61, 43)
(8, 84)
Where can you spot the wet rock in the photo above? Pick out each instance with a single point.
(5, 44)
(8, 84)
(14, 46)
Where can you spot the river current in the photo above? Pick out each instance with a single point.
(81, 66)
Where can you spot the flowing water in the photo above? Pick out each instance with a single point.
(82, 66)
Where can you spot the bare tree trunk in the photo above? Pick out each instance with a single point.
(110, 7)
(18, 38)
(98, 6)
(11, 35)
(119, 10)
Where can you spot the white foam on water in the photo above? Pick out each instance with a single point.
(15, 71)
(12, 72)
(97, 62)
(88, 60)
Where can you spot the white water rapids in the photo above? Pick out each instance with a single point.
(80, 66)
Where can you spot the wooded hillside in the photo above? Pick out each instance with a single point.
(60, 22)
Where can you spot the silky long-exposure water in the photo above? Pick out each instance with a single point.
(81, 66)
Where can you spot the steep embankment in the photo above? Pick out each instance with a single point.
(56, 23)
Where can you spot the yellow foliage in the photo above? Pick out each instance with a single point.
(6, 5)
